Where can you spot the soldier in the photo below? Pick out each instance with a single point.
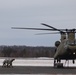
(8, 63)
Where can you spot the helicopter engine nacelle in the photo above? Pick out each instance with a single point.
(57, 43)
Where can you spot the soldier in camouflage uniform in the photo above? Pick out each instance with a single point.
(8, 63)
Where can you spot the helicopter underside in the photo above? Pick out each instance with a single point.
(66, 56)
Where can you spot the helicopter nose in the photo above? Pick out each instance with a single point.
(72, 44)
(72, 47)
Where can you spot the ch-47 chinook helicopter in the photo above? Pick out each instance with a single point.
(65, 48)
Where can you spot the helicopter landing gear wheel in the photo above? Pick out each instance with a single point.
(73, 61)
(58, 64)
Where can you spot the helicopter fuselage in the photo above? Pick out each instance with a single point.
(66, 50)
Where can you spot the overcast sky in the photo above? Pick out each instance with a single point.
(30, 13)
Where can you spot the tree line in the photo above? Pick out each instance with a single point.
(26, 51)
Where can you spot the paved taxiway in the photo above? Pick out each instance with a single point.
(37, 70)
(36, 66)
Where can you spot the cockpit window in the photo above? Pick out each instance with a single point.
(71, 42)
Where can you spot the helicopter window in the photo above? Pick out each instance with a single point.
(75, 42)
(71, 42)
(67, 42)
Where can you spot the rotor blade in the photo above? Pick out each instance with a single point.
(33, 28)
(51, 27)
(54, 29)
(47, 33)
(61, 30)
